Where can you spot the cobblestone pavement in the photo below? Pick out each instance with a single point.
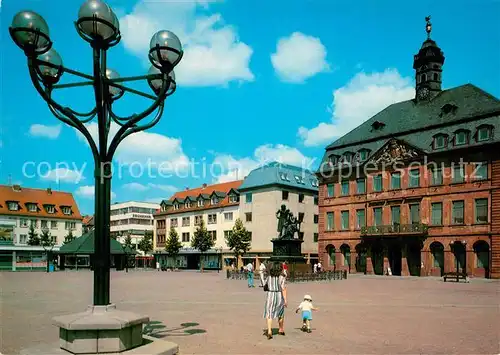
(207, 314)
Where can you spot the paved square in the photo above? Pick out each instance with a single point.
(207, 314)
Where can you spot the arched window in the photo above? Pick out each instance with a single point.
(423, 78)
(331, 254)
(346, 253)
(435, 76)
(482, 251)
(437, 251)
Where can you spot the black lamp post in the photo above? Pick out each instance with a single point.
(99, 26)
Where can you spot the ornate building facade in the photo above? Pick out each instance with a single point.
(415, 190)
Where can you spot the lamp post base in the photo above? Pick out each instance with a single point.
(105, 330)
(151, 346)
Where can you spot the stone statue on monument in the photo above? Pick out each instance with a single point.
(288, 225)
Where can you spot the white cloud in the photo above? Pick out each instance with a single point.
(135, 186)
(364, 96)
(40, 130)
(144, 152)
(299, 57)
(237, 168)
(213, 53)
(64, 175)
(87, 191)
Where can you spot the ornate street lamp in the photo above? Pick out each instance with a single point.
(98, 25)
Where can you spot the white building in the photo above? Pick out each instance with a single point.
(44, 209)
(132, 219)
(217, 205)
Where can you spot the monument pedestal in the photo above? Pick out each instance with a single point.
(290, 250)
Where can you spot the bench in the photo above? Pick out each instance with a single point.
(456, 276)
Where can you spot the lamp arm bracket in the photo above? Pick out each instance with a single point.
(124, 133)
(70, 119)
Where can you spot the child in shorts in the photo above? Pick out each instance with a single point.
(306, 307)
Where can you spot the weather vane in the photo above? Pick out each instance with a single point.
(428, 26)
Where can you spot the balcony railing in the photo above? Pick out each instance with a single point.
(416, 228)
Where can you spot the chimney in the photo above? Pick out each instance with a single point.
(49, 191)
(204, 185)
(16, 187)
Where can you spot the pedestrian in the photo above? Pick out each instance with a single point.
(319, 266)
(262, 271)
(306, 307)
(276, 299)
(285, 269)
(250, 275)
(315, 268)
(157, 266)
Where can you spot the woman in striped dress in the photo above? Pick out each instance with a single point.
(276, 299)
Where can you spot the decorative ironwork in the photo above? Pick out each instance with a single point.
(416, 228)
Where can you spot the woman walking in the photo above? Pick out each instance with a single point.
(276, 299)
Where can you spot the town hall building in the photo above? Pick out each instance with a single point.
(415, 190)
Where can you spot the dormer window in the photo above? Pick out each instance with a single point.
(377, 125)
(363, 154)
(32, 207)
(200, 203)
(333, 159)
(347, 157)
(214, 200)
(299, 180)
(187, 204)
(314, 183)
(13, 205)
(440, 141)
(284, 176)
(50, 208)
(447, 109)
(66, 210)
(483, 133)
(176, 206)
(233, 198)
(461, 137)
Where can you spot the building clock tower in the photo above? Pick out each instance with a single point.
(428, 65)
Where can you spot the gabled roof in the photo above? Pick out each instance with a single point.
(88, 220)
(85, 245)
(234, 192)
(207, 189)
(205, 192)
(166, 202)
(417, 123)
(279, 174)
(178, 200)
(190, 198)
(219, 194)
(42, 197)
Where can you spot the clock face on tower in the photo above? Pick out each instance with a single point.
(423, 93)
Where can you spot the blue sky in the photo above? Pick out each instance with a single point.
(259, 81)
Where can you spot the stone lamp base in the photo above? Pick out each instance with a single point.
(103, 330)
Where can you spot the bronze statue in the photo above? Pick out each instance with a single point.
(288, 225)
(282, 215)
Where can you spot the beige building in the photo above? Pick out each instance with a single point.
(132, 219)
(217, 205)
(264, 191)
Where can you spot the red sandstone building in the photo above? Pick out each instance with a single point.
(415, 190)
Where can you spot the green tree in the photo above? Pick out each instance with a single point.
(146, 243)
(128, 241)
(46, 240)
(33, 238)
(69, 238)
(202, 241)
(239, 239)
(173, 244)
